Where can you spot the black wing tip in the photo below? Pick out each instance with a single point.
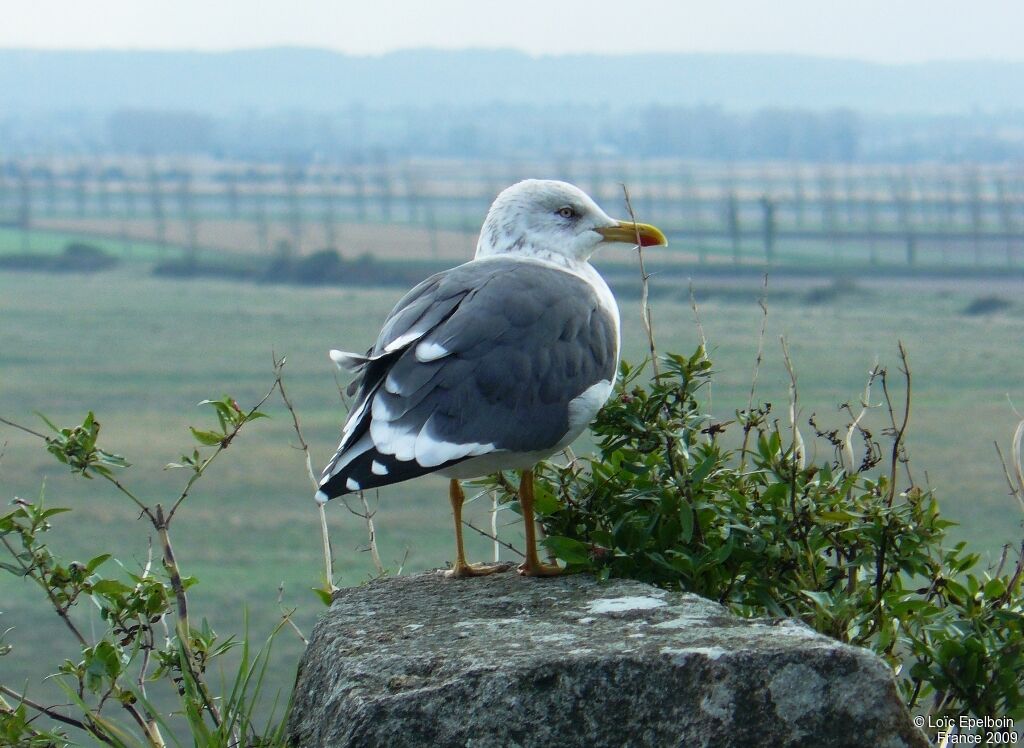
(359, 475)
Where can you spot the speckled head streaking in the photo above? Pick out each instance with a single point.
(550, 220)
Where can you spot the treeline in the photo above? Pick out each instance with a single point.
(523, 131)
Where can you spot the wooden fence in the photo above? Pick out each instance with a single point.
(921, 215)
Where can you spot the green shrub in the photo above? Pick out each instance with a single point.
(77, 257)
(845, 545)
(83, 257)
(316, 269)
(136, 634)
(987, 305)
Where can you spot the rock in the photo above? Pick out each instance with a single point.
(512, 661)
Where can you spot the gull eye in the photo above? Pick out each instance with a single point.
(567, 211)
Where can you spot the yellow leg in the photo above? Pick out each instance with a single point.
(461, 568)
(532, 566)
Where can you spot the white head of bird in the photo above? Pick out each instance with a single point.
(555, 221)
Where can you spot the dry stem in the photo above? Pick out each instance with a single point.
(50, 712)
(304, 446)
(645, 306)
(748, 427)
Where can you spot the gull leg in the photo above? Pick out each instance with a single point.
(532, 566)
(461, 568)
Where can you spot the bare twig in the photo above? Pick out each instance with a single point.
(1006, 472)
(26, 429)
(494, 526)
(1018, 458)
(865, 405)
(304, 446)
(147, 647)
(797, 439)
(53, 714)
(325, 540)
(748, 426)
(367, 516)
(898, 430)
(372, 532)
(183, 626)
(494, 538)
(700, 331)
(645, 306)
(286, 615)
(696, 316)
(341, 391)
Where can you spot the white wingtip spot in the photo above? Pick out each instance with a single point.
(378, 469)
(428, 350)
(352, 484)
(320, 497)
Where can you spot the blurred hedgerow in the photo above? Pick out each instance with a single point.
(848, 544)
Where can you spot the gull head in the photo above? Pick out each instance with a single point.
(555, 221)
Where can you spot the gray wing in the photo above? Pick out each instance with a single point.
(481, 358)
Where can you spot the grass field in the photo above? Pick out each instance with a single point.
(141, 352)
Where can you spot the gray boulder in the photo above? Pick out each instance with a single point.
(512, 661)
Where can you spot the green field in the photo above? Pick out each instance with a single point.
(141, 352)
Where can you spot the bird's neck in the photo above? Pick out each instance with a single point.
(521, 247)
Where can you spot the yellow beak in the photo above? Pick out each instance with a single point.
(627, 232)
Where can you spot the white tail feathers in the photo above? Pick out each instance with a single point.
(350, 362)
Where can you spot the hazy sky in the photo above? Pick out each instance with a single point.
(880, 30)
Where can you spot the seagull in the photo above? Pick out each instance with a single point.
(492, 365)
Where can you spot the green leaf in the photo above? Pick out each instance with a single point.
(570, 550)
(95, 562)
(208, 438)
(544, 500)
(109, 587)
(821, 599)
(837, 516)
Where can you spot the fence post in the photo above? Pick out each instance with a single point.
(1006, 218)
(50, 185)
(732, 219)
(25, 207)
(769, 228)
(81, 184)
(294, 176)
(127, 210)
(873, 229)
(827, 196)
(186, 203)
(156, 205)
(330, 210)
(259, 209)
(974, 191)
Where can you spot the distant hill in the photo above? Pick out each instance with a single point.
(317, 80)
